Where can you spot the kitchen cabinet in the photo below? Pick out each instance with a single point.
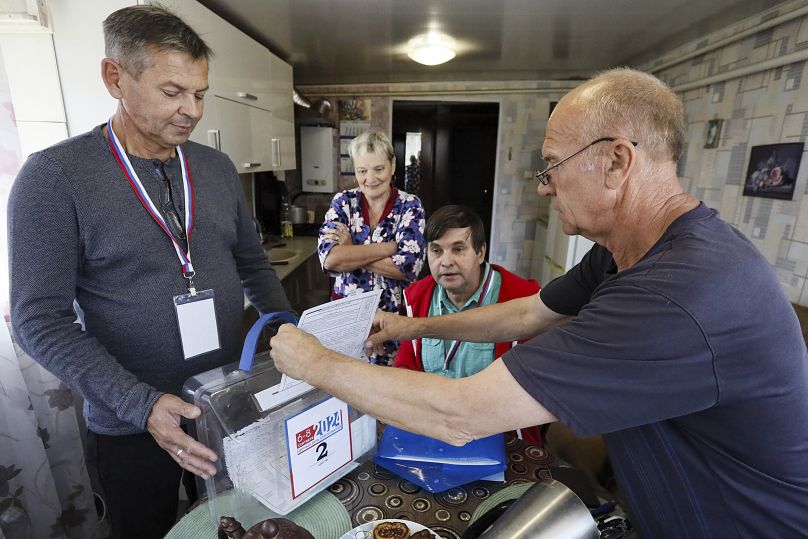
(33, 82)
(242, 132)
(242, 72)
(79, 45)
(250, 90)
(283, 114)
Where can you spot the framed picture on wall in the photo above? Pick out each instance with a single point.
(713, 133)
(772, 171)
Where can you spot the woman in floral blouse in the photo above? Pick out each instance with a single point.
(373, 235)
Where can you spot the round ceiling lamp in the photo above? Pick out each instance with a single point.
(431, 49)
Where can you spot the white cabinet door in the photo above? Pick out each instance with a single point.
(283, 114)
(239, 69)
(244, 134)
(29, 58)
(243, 72)
(79, 45)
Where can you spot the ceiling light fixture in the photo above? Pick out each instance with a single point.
(431, 49)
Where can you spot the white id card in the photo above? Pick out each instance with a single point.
(197, 322)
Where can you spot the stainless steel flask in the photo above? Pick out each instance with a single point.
(547, 510)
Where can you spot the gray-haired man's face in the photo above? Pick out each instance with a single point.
(165, 102)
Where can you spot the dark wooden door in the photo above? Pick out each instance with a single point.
(458, 153)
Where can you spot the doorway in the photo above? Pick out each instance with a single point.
(458, 149)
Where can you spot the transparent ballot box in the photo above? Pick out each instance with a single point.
(277, 445)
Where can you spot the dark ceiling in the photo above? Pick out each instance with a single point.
(363, 41)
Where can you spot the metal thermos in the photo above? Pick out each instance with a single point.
(298, 215)
(547, 510)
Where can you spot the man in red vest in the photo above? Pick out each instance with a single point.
(460, 280)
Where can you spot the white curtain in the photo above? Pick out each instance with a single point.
(44, 486)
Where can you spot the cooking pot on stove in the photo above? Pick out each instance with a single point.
(547, 510)
(298, 215)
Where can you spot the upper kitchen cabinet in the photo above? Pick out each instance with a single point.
(249, 111)
(283, 113)
(239, 68)
(33, 82)
(242, 132)
(78, 43)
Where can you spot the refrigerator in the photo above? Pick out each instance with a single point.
(561, 252)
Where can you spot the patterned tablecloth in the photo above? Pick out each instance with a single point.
(371, 492)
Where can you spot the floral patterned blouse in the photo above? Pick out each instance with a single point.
(402, 221)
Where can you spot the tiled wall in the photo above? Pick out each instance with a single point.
(762, 107)
(765, 106)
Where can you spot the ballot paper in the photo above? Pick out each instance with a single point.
(257, 457)
(342, 325)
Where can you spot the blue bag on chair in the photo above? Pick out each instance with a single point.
(437, 466)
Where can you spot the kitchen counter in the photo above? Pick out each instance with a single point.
(299, 271)
(305, 246)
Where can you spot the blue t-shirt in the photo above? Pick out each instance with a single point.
(692, 365)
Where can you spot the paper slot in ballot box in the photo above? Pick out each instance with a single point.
(279, 443)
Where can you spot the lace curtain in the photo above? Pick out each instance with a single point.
(44, 486)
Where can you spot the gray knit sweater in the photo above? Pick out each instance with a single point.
(78, 233)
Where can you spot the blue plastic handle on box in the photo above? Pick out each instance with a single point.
(251, 340)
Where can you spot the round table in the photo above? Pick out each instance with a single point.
(370, 493)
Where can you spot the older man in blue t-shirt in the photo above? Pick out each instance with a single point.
(679, 345)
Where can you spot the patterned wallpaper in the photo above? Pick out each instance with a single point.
(718, 76)
(757, 106)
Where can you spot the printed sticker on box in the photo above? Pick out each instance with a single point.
(318, 442)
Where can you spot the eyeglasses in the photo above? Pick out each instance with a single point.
(545, 179)
(167, 207)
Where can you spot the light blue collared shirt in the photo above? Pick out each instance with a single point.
(471, 357)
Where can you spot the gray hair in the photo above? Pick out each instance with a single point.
(130, 32)
(372, 142)
(636, 105)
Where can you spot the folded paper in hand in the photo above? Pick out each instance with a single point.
(437, 466)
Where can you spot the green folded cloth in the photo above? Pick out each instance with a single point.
(323, 516)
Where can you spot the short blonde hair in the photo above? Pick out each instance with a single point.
(372, 142)
(629, 103)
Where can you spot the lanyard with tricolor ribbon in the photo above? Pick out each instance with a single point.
(449, 356)
(184, 255)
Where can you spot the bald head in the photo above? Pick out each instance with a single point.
(632, 104)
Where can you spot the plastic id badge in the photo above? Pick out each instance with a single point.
(196, 317)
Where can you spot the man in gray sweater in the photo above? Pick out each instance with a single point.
(133, 227)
